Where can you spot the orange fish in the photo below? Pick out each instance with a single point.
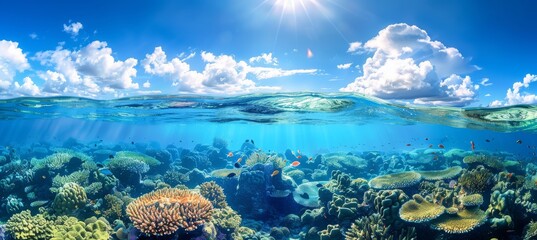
(276, 172)
(472, 145)
(295, 163)
(441, 146)
(509, 175)
(239, 160)
(230, 154)
(299, 156)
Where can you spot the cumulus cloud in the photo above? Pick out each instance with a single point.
(485, 82)
(514, 95)
(408, 65)
(266, 58)
(344, 66)
(86, 72)
(354, 47)
(12, 60)
(28, 88)
(147, 84)
(221, 74)
(73, 28)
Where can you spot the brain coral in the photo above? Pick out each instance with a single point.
(420, 210)
(214, 193)
(441, 174)
(24, 226)
(164, 211)
(464, 221)
(395, 180)
(72, 229)
(70, 198)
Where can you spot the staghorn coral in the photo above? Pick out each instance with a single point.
(395, 180)
(69, 198)
(79, 177)
(463, 221)
(226, 219)
(441, 174)
(164, 211)
(477, 180)
(24, 226)
(419, 210)
(371, 227)
(214, 193)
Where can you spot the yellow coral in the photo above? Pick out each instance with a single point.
(24, 226)
(472, 200)
(464, 221)
(395, 180)
(420, 210)
(164, 211)
(214, 193)
(226, 218)
(70, 198)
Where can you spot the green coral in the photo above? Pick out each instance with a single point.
(59, 159)
(214, 193)
(531, 231)
(395, 180)
(260, 157)
(476, 181)
(70, 198)
(332, 232)
(73, 229)
(24, 226)
(244, 233)
(114, 207)
(226, 219)
(150, 161)
(492, 162)
(80, 177)
(175, 178)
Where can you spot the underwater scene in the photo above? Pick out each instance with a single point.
(265, 166)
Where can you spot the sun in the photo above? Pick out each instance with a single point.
(295, 8)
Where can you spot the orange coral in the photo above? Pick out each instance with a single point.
(164, 211)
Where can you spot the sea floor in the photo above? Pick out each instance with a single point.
(147, 191)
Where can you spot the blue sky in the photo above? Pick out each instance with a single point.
(420, 52)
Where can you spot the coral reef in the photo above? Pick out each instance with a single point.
(371, 227)
(24, 226)
(164, 211)
(226, 219)
(396, 180)
(419, 210)
(477, 180)
(463, 221)
(70, 198)
(434, 175)
(214, 193)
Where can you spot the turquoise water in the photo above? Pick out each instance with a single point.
(308, 128)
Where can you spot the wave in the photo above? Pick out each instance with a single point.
(285, 108)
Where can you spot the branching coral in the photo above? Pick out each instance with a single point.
(260, 157)
(164, 211)
(371, 227)
(226, 219)
(476, 181)
(214, 193)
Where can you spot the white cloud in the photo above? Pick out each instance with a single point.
(221, 74)
(514, 95)
(487, 95)
(12, 60)
(149, 92)
(28, 88)
(73, 28)
(344, 66)
(147, 84)
(265, 58)
(408, 65)
(485, 82)
(86, 72)
(355, 46)
(33, 35)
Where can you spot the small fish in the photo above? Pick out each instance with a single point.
(430, 145)
(299, 156)
(99, 165)
(519, 141)
(239, 160)
(472, 145)
(311, 158)
(487, 140)
(319, 185)
(132, 142)
(237, 165)
(230, 175)
(295, 163)
(305, 195)
(298, 151)
(110, 156)
(408, 144)
(106, 171)
(230, 154)
(441, 146)
(251, 140)
(509, 175)
(247, 140)
(276, 172)
(426, 139)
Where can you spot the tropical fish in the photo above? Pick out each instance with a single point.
(430, 145)
(311, 158)
(276, 172)
(106, 171)
(408, 144)
(299, 156)
(305, 195)
(298, 151)
(472, 145)
(426, 139)
(295, 163)
(441, 146)
(230, 154)
(230, 175)
(239, 160)
(99, 165)
(251, 140)
(519, 141)
(237, 165)
(487, 140)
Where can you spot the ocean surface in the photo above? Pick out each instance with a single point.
(262, 151)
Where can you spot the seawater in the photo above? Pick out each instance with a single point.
(192, 136)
